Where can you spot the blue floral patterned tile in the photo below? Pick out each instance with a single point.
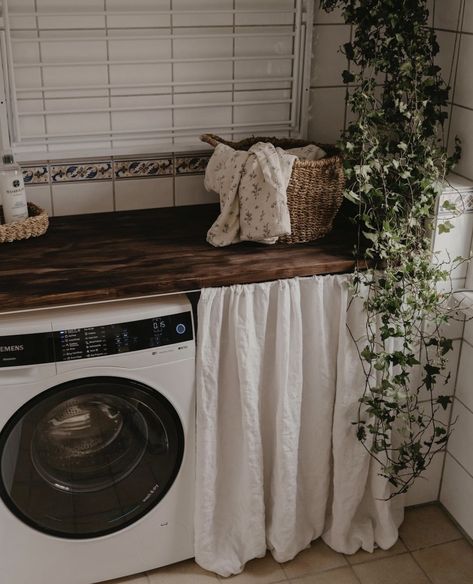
(81, 171)
(191, 164)
(34, 175)
(143, 168)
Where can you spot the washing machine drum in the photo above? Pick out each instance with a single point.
(89, 457)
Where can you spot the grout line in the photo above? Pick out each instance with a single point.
(355, 574)
(470, 178)
(456, 48)
(420, 567)
(465, 107)
(460, 464)
(466, 536)
(464, 405)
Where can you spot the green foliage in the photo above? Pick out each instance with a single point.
(394, 163)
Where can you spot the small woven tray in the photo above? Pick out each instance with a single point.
(36, 225)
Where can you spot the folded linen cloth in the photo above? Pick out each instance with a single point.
(253, 193)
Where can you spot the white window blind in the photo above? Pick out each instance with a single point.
(115, 74)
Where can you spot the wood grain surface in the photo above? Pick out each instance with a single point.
(110, 256)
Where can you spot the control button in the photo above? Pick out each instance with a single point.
(180, 329)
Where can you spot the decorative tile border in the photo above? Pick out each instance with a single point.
(81, 171)
(143, 168)
(36, 175)
(191, 164)
(43, 173)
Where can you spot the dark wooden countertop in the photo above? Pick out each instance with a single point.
(110, 256)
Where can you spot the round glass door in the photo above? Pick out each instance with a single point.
(88, 457)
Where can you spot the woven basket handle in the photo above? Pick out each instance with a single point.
(211, 139)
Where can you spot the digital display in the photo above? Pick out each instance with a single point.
(98, 341)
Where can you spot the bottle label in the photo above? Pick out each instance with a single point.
(12, 190)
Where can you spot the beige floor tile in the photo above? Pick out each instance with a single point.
(317, 558)
(337, 576)
(395, 570)
(448, 563)
(187, 572)
(426, 526)
(260, 571)
(362, 556)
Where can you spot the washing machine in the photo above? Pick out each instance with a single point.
(97, 427)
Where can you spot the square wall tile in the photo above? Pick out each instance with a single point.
(328, 61)
(457, 494)
(326, 114)
(190, 190)
(462, 126)
(464, 78)
(41, 196)
(461, 440)
(468, 17)
(95, 196)
(447, 56)
(147, 193)
(465, 376)
(448, 14)
(468, 331)
(323, 17)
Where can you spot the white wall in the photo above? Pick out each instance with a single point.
(457, 485)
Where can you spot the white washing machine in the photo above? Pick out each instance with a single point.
(97, 429)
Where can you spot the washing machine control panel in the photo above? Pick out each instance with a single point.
(96, 341)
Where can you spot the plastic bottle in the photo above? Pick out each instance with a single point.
(12, 190)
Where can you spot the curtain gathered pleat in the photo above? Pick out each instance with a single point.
(278, 461)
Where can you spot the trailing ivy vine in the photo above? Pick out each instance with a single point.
(395, 162)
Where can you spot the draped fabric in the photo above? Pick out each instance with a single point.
(278, 462)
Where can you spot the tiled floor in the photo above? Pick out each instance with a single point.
(430, 550)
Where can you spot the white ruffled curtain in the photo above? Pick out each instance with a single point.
(278, 462)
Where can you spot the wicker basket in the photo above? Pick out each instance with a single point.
(36, 225)
(315, 191)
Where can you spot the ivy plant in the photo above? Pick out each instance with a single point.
(395, 165)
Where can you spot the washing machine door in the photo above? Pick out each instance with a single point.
(89, 457)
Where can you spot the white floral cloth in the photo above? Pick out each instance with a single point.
(253, 193)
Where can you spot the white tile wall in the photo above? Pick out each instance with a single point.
(468, 17)
(190, 190)
(461, 441)
(464, 79)
(457, 485)
(41, 195)
(464, 389)
(82, 197)
(448, 54)
(447, 14)
(329, 62)
(327, 113)
(144, 193)
(457, 493)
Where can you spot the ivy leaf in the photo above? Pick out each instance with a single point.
(445, 227)
(444, 401)
(347, 76)
(449, 206)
